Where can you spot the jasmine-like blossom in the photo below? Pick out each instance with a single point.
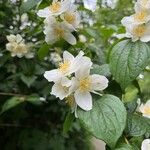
(90, 4)
(18, 47)
(56, 8)
(55, 31)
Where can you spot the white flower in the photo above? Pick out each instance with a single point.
(145, 109)
(146, 144)
(144, 3)
(84, 83)
(141, 16)
(57, 30)
(90, 4)
(82, 38)
(56, 8)
(138, 32)
(17, 46)
(71, 17)
(69, 65)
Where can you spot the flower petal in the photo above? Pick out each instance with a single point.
(66, 82)
(44, 12)
(90, 4)
(53, 75)
(67, 56)
(69, 37)
(145, 144)
(99, 82)
(83, 100)
(59, 91)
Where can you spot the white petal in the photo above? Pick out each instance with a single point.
(66, 4)
(69, 37)
(83, 100)
(145, 144)
(59, 91)
(84, 69)
(18, 38)
(67, 56)
(44, 12)
(74, 85)
(145, 38)
(90, 4)
(11, 38)
(53, 75)
(66, 82)
(99, 82)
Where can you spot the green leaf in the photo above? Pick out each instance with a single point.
(128, 60)
(43, 51)
(28, 80)
(124, 147)
(68, 122)
(136, 125)
(12, 102)
(29, 4)
(107, 119)
(34, 100)
(102, 70)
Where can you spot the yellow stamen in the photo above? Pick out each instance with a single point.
(139, 30)
(55, 7)
(141, 16)
(84, 84)
(20, 49)
(64, 67)
(146, 111)
(70, 101)
(70, 18)
(59, 31)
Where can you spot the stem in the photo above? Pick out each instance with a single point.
(12, 94)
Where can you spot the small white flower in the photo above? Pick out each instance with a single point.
(69, 65)
(140, 17)
(90, 4)
(56, 8)
(144, 3)
(146, 144)
(71, 17)
(17, 46)
(55, 31)
(55, 58)
(82, 38)
(138, 32)
(84, 83)
(145, 109)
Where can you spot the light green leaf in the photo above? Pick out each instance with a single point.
(107, 119)
(34, 100)
(29, 4)
(124, 147)
(68, 122)
(43, 51)
(12, 102)
(28, 80)
(127, 60)
(102, 70)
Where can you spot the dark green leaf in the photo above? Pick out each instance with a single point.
(127, 60)
(106, 120)
(68, 122)
(12, 102)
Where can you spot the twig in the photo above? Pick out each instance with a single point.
(12, 94)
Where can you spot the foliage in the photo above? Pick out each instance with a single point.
(31, 118)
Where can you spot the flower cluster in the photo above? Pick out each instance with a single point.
(61, 19)
(145, 109)
(18, 47)
(138, 24)
(72, 80)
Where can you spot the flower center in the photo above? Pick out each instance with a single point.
(141, 16)
(59, 31)
(55, 7)
(144, 2)
(70, 18)
(139, 31)
(20, 49)
(84, 84)
(64, 67)
(147, 110)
